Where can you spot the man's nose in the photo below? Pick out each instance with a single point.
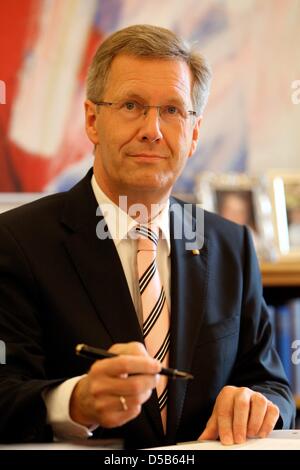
(150, 125)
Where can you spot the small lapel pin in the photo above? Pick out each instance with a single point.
(196, 252)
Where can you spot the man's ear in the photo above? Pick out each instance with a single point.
(195, 135)
(90, 121)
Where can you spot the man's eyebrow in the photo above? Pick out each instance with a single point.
(137, 97)
(131, 96)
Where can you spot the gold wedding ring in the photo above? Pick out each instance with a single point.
(123, 403)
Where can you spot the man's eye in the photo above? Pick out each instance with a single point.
(129, 105)
(172, 110)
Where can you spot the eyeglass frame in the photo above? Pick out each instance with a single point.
(146, 107)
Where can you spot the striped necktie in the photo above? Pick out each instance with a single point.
(156, 319)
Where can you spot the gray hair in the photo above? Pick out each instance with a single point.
(153, 42)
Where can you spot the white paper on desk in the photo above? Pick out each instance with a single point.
(277, 440)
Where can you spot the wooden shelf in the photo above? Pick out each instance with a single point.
(280, 274)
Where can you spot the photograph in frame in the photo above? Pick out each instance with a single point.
(237, 205)
(243, 200)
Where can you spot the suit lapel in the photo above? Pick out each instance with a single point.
(100, 270)
(98, 265)
(188, 297)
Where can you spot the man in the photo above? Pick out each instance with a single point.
(64, 281)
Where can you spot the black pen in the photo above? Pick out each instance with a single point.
(97, 353)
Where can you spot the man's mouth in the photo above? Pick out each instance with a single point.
(147, 156)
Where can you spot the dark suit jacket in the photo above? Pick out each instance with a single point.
(60, 285)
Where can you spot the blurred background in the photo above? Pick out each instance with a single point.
(251, 123)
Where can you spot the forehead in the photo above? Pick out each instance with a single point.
(150, 78)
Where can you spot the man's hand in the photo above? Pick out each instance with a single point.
(240, 413)
(96, 397)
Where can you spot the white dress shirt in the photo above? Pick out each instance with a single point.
(119, 223)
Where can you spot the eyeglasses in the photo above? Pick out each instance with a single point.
(131, 110)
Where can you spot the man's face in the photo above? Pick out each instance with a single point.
(147, 154)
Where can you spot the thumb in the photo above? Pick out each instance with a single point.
(211, 431)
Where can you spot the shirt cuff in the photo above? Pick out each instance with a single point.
(57, 401)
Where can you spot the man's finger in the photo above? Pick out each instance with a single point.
(131, 386)
(118, 403)
(225, 416)
(211, 431)
(118, 418)
(258, 410)
(241, 410)
(133, 348)
(126, 365)
(271, 417)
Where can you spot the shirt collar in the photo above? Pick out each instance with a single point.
(119, 223)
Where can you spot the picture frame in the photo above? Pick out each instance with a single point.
(10, 201)
(242, 199)
(284, 188)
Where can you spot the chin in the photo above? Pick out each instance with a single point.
(151, 184)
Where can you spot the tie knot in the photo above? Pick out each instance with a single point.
(147, 237)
